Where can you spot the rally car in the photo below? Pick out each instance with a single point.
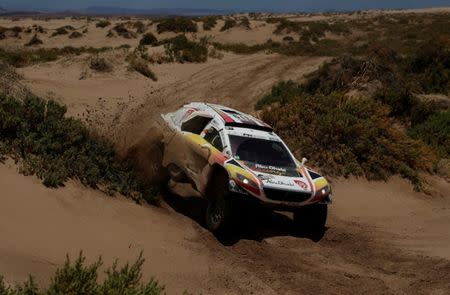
(227, 155)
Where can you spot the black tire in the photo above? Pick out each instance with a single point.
(218, 211)
(311, 218)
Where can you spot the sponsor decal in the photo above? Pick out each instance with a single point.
(272, 168)
(265, 177)
(279, 182)
(301, 184)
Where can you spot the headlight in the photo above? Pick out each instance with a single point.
(325, 191)
(247, 181)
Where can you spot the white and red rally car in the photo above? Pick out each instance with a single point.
(226, 154)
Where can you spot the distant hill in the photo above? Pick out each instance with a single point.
(104, 10)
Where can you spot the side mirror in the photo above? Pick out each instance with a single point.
(304, 160)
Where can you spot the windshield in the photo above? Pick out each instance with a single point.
(263, 155)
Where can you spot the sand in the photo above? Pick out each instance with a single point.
(379, 234)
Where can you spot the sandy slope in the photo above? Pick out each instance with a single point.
(124, 105)
(387, 241)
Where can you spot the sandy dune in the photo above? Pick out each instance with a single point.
(124, 105)
(397, 242)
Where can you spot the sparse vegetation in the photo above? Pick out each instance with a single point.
(435, 131)
(148, 39)
(209, 23)
(100, 64)
(34, 41)
(75, 35)
(45, 143)
(103, 24)
(24, 57)
(229, 23)
(140, 65)
(182, 50)
(63, 30)
(245, 23)
(122, 30)
(77, 277)
(140, 27)
(177, 25)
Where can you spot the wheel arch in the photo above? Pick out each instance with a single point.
(215, 171)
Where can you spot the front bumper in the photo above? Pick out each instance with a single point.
(277, 204)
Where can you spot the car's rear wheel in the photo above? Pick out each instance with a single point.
(311, 218)
(218, 212)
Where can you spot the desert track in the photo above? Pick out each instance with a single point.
(356, 254)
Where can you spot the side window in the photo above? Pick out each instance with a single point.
(213, 137)
(195, 125)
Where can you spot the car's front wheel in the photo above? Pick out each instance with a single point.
(218, 212)
(311, 218)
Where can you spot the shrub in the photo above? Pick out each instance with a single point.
(103, 24)
(229, 23)
(100, 64)
(435, 131)
(281, 93)
(121, 30)
(176, 25)
(148, 39)
(140, 27)
(75, 35)
(34, 41)
(56, 148)
(209, 23)
(62, 30)
(79, 278)
(16, 30)
(347, 136)
(430, 65)
(25, 57)
(180, 49)
(140, 65)
(399, 99)
(245, 23)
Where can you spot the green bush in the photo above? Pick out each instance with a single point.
(435, 131)
(25, 57)
(78, 278)
(100, 64)
(56, 148)
(148, 39)
(140, 27)
(209, 23)
(182, 50)
(34, 41)
(122, 30)
(63, 30)
(281, 93)
(141, 66)
(347, 136)
(103, 24)
(176, 25)
(229, 23)
(75, 35)
(245, 23)
(430, 66)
